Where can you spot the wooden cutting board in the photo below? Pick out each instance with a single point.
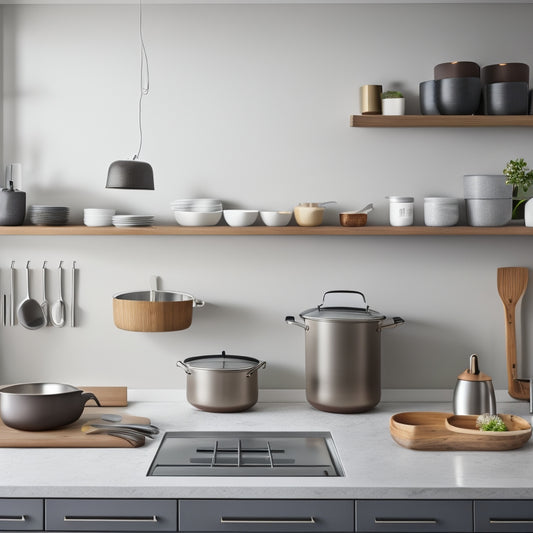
(70, 436)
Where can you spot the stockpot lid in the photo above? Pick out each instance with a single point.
(221, 362)
(344, 313)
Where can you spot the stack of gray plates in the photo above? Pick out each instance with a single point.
(48, 215)
(128, 221)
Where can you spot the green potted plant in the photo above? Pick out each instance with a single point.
(392, 103)
(521, 178)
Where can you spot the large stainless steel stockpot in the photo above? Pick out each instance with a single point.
(343, 353)
(42, 406)
(222, 383)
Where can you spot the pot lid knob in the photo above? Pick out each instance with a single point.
(473, 373)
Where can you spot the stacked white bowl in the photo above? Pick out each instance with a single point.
(197, 211)
(98, 217)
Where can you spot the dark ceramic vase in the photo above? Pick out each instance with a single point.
(427, 93)
(506, 98)
(12, 207)
(458, 96)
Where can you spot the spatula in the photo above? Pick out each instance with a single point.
(512, 284)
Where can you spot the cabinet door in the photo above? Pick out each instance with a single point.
(291, 516)
(110, 515)
(412, 516)
(21, 514)
(503, 515)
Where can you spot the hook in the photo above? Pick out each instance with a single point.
(44, 264)
(60, 264)
(12, 264)
(27, 265)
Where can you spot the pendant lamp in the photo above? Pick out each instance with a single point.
(133, 173)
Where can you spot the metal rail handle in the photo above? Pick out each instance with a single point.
(510, 521)
(308, 520)
(21, 518)
(405, 521)
(152, 518)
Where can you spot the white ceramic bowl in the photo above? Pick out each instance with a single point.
(93, 211)
(276, 218)
(197, 218)
(98, 221)
(240, 217)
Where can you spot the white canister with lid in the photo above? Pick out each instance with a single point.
(441, 211)
(401, 210)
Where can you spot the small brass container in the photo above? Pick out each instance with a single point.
(370, 99)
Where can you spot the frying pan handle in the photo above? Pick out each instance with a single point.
(253, 370)
(86, 396)
(184, 366)
(324, 306)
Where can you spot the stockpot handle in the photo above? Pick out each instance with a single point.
(324, 306)
(396, 321)
(184, 366)
(253, 370)
(196, 302)
(292, 322)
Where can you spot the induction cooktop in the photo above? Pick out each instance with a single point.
(220, 453)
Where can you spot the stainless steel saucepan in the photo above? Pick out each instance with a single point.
(42, 406)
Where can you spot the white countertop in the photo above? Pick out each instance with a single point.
(375, 466)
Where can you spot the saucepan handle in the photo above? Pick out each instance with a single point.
(86, 396)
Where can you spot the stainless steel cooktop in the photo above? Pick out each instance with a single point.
(216, 453)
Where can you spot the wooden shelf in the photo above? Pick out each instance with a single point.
(265, 230)
(439, 121)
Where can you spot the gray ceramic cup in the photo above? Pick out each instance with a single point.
(458, 96)
(427, 94)
(506, 98)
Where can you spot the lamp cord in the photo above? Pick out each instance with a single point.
(145, 78)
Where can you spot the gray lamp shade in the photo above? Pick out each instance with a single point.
(130, 174)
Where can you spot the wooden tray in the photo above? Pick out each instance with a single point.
(446, 431)
(70, 436)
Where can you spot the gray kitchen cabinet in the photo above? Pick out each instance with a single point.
(451, 516)
(110, 515)
(19, 514)
(266, 515)
(505, 516)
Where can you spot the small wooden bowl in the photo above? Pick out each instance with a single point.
(353, 219)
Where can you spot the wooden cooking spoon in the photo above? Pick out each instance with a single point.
(512, 284)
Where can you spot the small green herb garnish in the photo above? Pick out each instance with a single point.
(488, 422)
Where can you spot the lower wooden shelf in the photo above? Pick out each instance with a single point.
(266, 230)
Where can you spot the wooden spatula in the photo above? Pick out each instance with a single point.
(512, 284)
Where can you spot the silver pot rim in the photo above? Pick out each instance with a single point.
(61, 388)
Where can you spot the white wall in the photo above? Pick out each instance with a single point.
(251, 104)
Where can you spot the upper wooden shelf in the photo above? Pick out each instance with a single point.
(265, 230)
(439, 121)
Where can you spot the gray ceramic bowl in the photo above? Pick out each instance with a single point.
(427, 94)
(506, 98)
(458, 96)
(489, 211)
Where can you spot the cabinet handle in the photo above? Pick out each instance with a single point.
(110, 518)
(510, 521)
(405, 521)
(309, 520)
(20, 518)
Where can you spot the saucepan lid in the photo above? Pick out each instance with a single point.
(221, 362)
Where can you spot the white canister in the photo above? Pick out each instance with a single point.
(401, 210)
(528, 213)
(441, 211)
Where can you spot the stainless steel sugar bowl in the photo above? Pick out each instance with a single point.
(474, 392)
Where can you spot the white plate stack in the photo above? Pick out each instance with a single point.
(197, 211)
(130, 221)
(48, 215)
(98, 217)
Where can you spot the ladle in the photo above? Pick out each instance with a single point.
(44, 303)
(57, 314)
(365, 210)
(29, 312)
